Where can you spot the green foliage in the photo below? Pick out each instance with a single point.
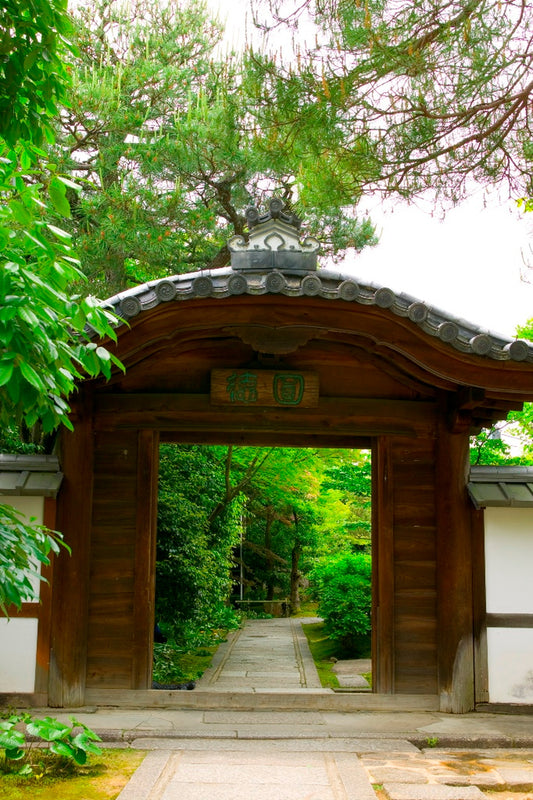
(159, 133)
(343, 585)
(188, 660)
(525, 203)
(519, 425)
(58, 743)
(489, 448)
(350, 478)
(25, 547)
(403, 97)
(45, 331)
(33, 43)
(194, 552)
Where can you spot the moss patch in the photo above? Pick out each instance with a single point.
(307, 609)
(323, 649)
(102, 779)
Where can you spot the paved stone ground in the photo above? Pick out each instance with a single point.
(334, 770)
(265, 654)
(350, 673)
(455, 774)
(262, 754)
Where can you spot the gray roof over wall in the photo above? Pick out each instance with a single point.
(30, 476)
(501, 486)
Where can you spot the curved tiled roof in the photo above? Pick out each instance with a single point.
(327, 284)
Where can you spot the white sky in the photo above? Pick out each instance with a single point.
(471, 264)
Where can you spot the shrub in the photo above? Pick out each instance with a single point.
(344, 591)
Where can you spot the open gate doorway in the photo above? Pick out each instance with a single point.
(274, 351)
(256, 530)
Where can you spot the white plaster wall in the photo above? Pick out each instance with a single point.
(18, 654)
(18, 637)
(510, 665)
(509, 560)
(29, 506)
(509, 585)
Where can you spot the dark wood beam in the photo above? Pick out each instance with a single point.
(509, 620)
(258, 439)
(333, 416)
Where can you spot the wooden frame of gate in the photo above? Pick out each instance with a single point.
(390, 374)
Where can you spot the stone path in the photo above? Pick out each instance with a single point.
(261, 754)
(264, 654)
(443, 774)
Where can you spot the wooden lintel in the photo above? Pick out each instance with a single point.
(509, 620)
(332, 416)
(260, 439)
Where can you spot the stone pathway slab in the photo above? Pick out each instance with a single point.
(431, 791)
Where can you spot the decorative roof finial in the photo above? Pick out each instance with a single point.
(276, 207)
(273, 242)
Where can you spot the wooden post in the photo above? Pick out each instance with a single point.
(382, 568)
(454, 574)
(68, 652)
(145, 556)
(480, 608)
(42, 670)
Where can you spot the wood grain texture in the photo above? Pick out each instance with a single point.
(111, 619)
(71, 578)
(454, 571)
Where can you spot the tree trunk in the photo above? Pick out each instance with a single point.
(295, 578)
(269, 559)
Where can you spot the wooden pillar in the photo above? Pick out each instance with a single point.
(68, 651)
(454, 574)
(382, 568)
(42, 670)
(145, 555)
(480, 608)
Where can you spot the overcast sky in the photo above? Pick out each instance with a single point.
(470, 265)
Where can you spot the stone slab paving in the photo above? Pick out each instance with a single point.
(306, 755)
(249, 775)
(350, 672)
(263, 655)
(263, 744)
(406, 791)
(435, 774)
(318, 769)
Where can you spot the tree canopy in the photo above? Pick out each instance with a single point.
(403, 97)
(160, 135)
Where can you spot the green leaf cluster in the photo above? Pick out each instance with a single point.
(345, 599)
(47, 737)
(24, 548)
(34, 41)
(46, 332)
(194, 553)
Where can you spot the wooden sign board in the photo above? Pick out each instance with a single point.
(257, 387)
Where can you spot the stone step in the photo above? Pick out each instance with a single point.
(270, 700)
